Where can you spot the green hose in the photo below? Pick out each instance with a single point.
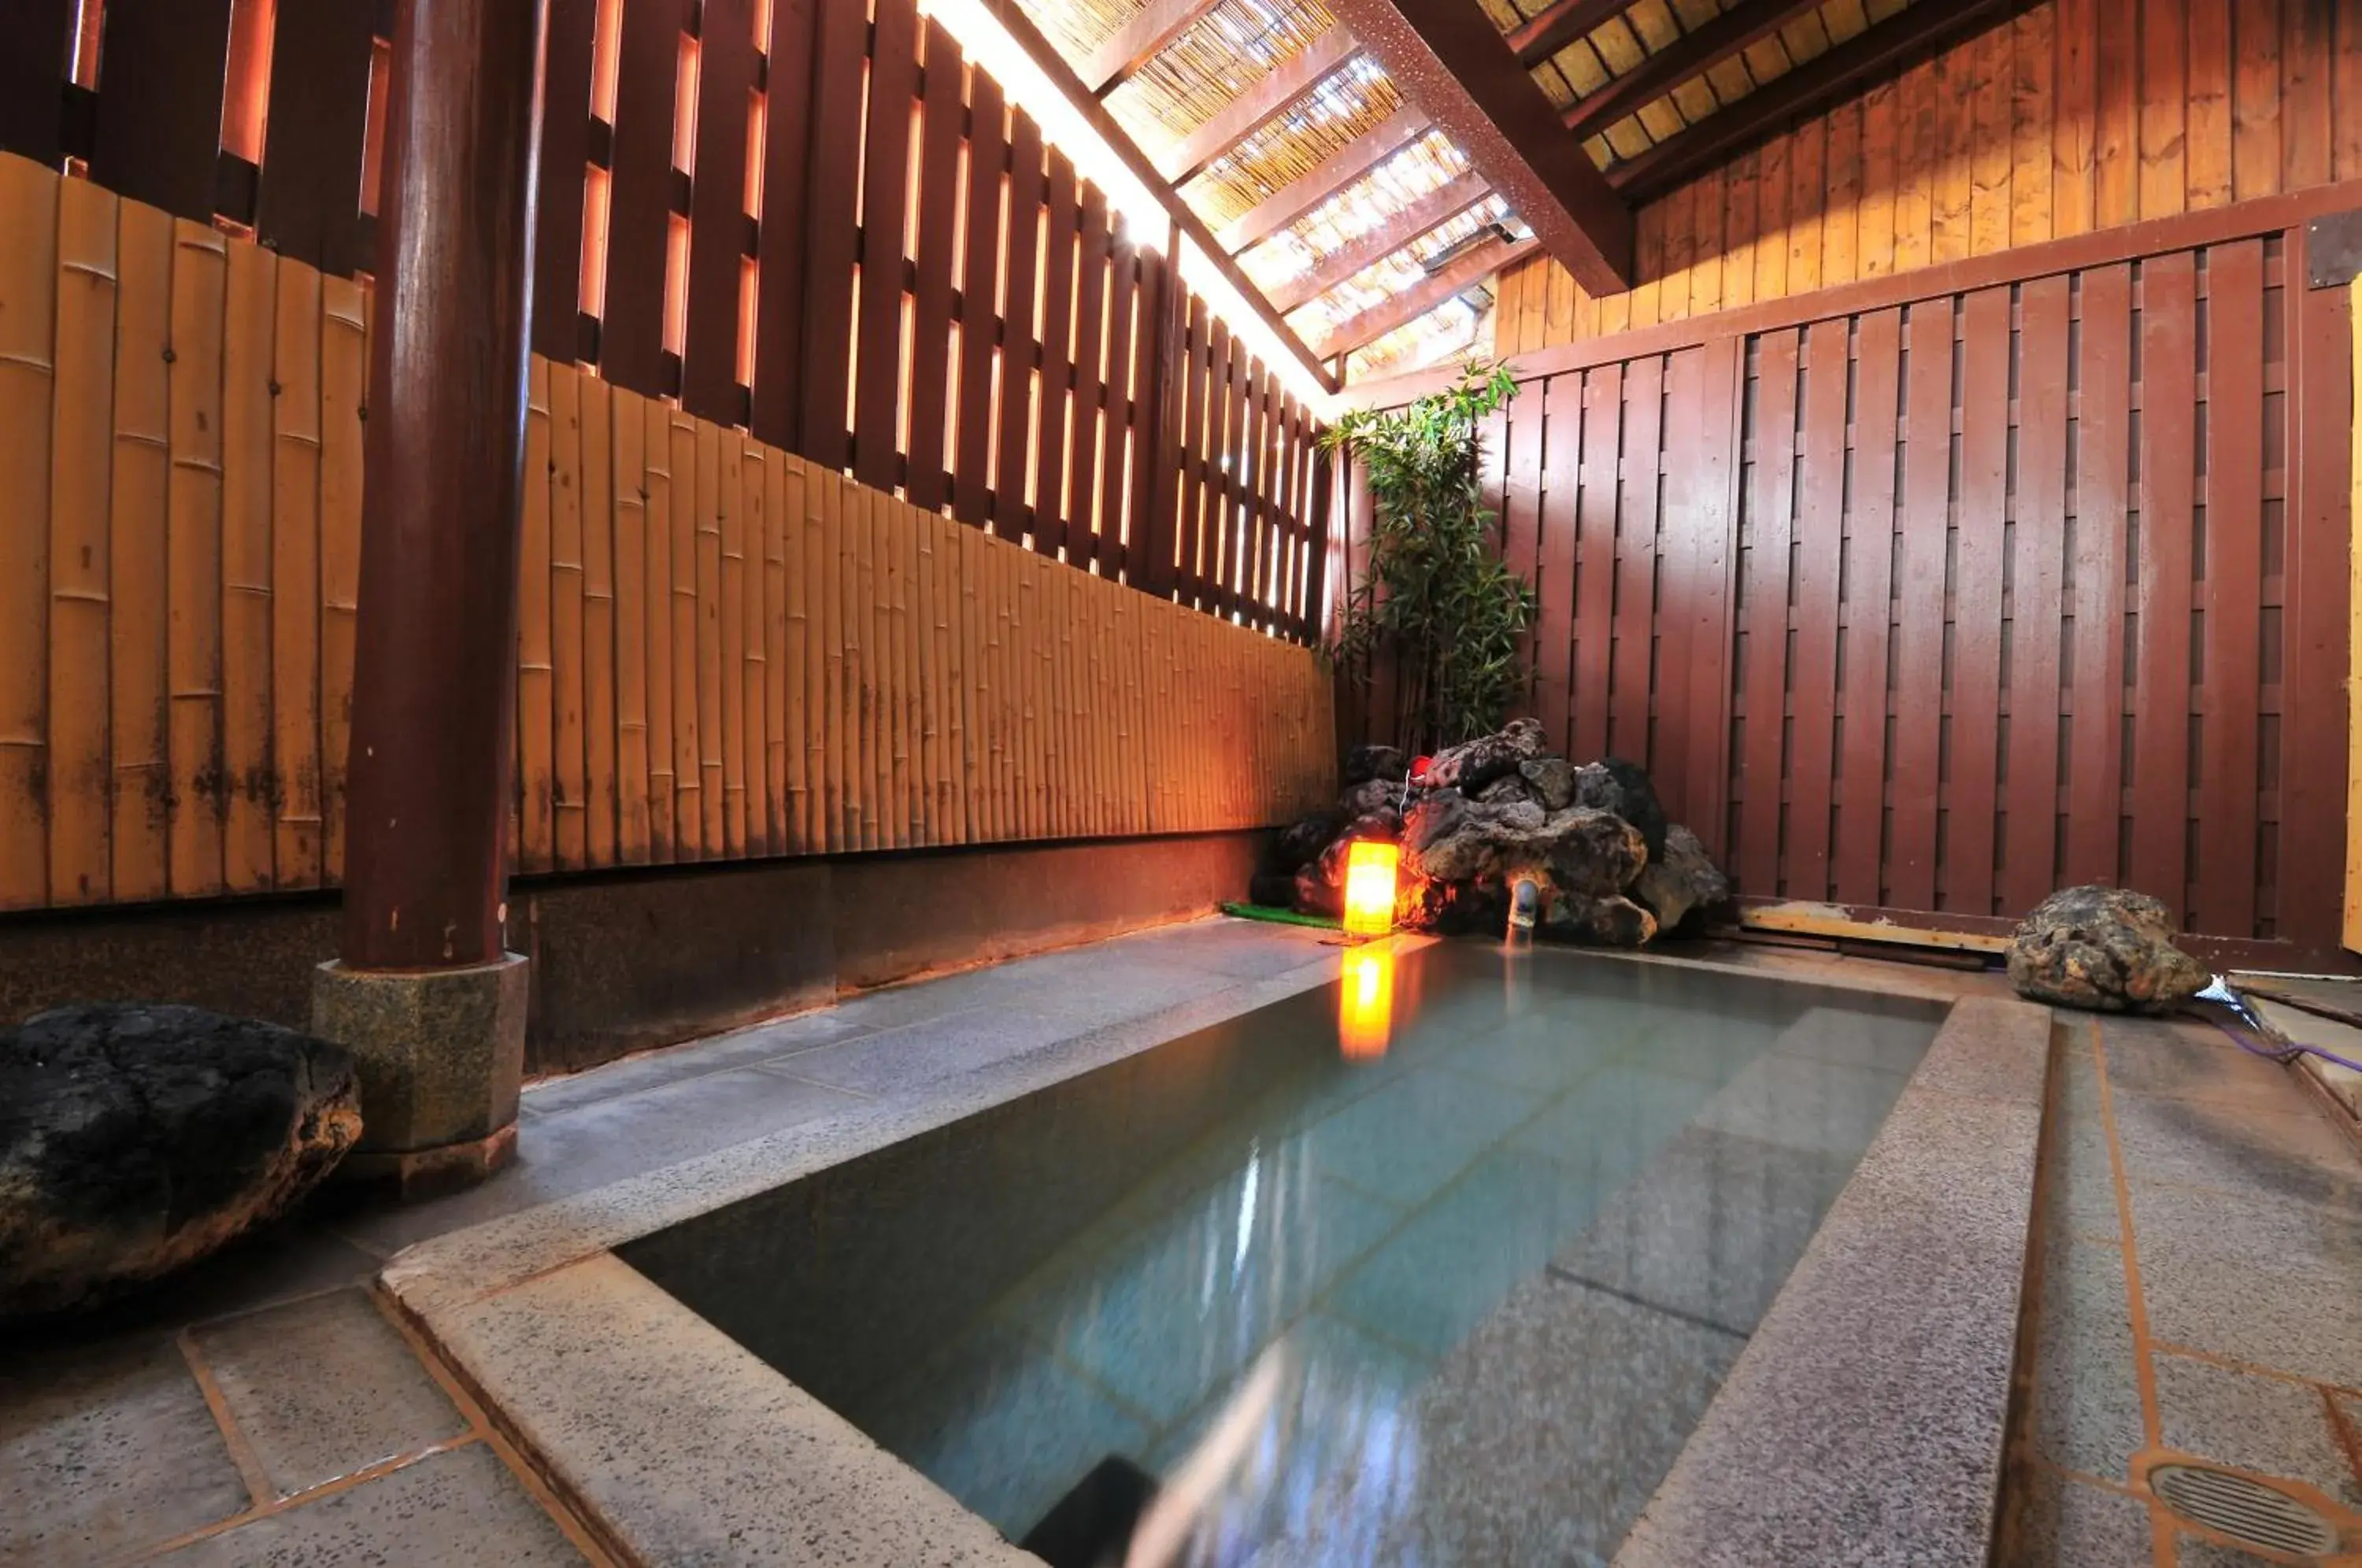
(1279, 916)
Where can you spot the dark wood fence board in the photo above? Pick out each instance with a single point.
(35, 60)
(640, 194)
(161, 65)
(1053, 391)
(308, 197)
(839, 40)
(1091, 430)
(2102, 461)
(2229, 764)
(935, 254)
(1820, 551)
(980, 277)
(782, 237)
(2160, 771)
(717, 211)
(885, 182)
(2038, 568)
(1019, 344)
(1127, 442)
(1632, 661)
(1594, 586)
(1919, 612)
(1860, 835)
(1981, 510)
(1764, 610)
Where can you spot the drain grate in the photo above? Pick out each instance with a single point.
(2244, 1508)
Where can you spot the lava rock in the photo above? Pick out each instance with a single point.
(1553, 779)
(1372, 795)
(1452, 839)
(1471, 765)
(1624, 788)
(135, 1140)
(1273, 890)
(1611, 922)
(1320, 887)
(1508, 789)
(1301, 842)
(1364, 763)
(1679, 882)
(2106, 949)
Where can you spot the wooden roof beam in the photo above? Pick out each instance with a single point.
(1044, 54)
(1418, 299)
(1695, 51)
(1143, 39)
(1301, 195)
(1884, 51)
(1436, 209)
(1543, 35)
(1262, 102)
(1453, 65)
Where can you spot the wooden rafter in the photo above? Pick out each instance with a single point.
(1138, 41)
(1697, 50)
(1044, 54)
(1301, 195)
(1261, 103)
(1882, 51)
(1450, 62)
(1439, 206)
(1542, 35)
(1462, 272)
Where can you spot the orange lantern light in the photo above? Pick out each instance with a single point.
(1365, 1003)
(1370, 887)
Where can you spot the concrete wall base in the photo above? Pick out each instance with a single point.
(624, 961)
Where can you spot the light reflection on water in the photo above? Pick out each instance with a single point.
(1460, 1302)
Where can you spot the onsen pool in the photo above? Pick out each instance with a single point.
(1440, 1263)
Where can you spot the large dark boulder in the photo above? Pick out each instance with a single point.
(1300, 843)
(1679, 882)
(135, 1140)
(1551, 779)
(1623, 787)
(1364, 763)
(2106, 949)
(1453, 839)
(1371, 796)
(1471, 765)
(1610, 921)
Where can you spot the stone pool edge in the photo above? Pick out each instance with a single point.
(679, 1444)
(1865, 1421)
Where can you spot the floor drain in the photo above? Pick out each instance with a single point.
(2243, 1509)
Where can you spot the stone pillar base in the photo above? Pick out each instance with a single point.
(441, 1057)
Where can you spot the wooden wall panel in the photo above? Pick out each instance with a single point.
(2076, 115)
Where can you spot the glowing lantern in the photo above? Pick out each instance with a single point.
(1370, 887)
(1365, 1005)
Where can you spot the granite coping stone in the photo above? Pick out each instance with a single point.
(1863, 1423)
(690, 1450)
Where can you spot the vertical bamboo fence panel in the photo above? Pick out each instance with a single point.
(724, 650)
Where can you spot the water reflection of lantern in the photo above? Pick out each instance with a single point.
(1366, 1004)
(1370, 887)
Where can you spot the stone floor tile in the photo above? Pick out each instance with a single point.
(2287, 1152)
(2269, 1282)
(594, 1144)
(2258, 1424)
(106, 1452)
(454, 1508)
(1849, 1037)
(323, 1387)
(1801, 1103)
(2188, 1060)
(694, 1059)
(2067, 1523)
(2086, 1410)
(913, 1056)
(1407, 1139)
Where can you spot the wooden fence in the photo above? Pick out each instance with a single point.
(1934, 594)
(727, 650)
(962, 324)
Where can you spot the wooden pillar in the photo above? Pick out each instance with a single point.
(435, 666)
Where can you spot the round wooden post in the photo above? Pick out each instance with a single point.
(434, 663)
(426, 997)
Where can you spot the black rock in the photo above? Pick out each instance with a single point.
(1508, 789)
(1301, 842)
(1364, 763)
(1552, 780)
(1372, 795)
(1679, 882)
(1471, 765)
(1624, 788)
(1273, 890)
(1610, 921)
(136, 1139)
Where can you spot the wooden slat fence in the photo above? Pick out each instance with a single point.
(964, 324)
(726, 650)
(1941, 603)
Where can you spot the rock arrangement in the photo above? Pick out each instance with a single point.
(2104, 949)
(1489, 813)
(135, 1140)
